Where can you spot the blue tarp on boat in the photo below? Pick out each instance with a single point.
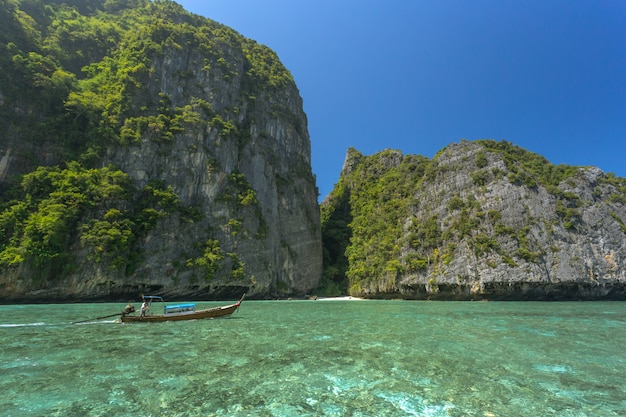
(179, 308)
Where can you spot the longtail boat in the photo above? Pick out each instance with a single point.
(178, 312)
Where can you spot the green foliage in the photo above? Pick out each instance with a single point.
(209, 261)
(226, 128)
(330, 288)
(481, 160)
(569, 215)
(529, 168)
(240, 191)
(263, 68)
(77, 40)
(509, 261)
(234, 226)
(494, 216)
(483, 244)
(213, 259)
(111, 238)
(335, 219)
(237, 267)
(481, 177)
(362, 224)
(464, 224)
(618, 187)
(161, 127)
(39, 228)
(43, 80)
(503, 230)
(456, 203)
(524, 251)
(415, 262)
(619, 221)
(426, 235)
(157, 194)
(59, 206)
(527, 255)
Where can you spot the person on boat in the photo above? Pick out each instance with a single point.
(128, 309)
(144, 308)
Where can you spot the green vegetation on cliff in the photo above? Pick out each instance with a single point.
(78, 72)
(100, 207)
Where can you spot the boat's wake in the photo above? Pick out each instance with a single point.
(97, 322)
(41, 324)
(8, 325)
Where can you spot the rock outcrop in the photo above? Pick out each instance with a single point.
(482, 220)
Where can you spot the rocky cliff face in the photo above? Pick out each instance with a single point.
(277, 237)
(213, 119)
(482, 220)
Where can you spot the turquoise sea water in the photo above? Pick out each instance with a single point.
(319, 358)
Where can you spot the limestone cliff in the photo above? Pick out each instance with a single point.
(482, 220)
(191, 113)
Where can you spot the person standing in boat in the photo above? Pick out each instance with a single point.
(144, 308)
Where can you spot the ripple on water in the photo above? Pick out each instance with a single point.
(413, 405)
(556, 369)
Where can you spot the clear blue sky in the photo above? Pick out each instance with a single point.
(416, 75)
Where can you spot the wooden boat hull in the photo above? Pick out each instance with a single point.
(196, 315)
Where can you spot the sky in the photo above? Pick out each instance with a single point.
(417, 75)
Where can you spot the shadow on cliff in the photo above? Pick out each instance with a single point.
(336, 234)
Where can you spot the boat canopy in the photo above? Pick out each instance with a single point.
(152, 298)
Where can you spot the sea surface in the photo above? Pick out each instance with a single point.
(319, 358)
